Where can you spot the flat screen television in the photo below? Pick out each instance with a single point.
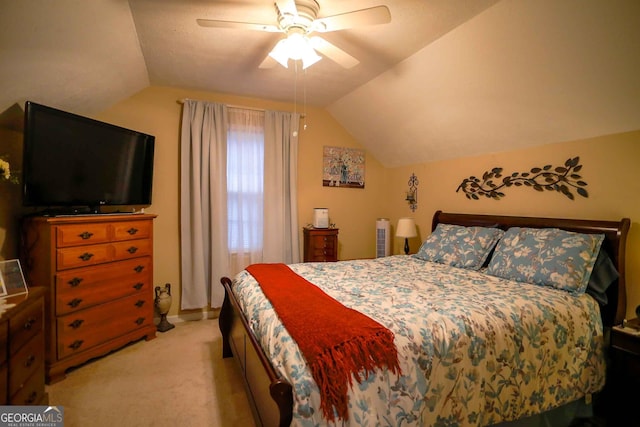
(77, 164)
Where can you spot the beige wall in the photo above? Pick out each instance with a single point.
(10, 195)
(609, 168)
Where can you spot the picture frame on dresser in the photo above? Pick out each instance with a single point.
(11, 278)
(3, 288)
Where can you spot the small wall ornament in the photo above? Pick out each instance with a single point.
(412, 193)
(561, 179)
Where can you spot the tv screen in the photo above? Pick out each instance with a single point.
(74, 161)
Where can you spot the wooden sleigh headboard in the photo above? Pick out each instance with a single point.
(615, 239)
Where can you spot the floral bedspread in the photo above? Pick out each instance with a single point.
(474, 349)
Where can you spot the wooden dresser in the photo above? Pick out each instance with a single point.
(320, 244)
(22, 350)
(98, 271)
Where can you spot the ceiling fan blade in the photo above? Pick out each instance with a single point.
(286, 7)
(333, 52)
(358, 18)
(268, 62)
(213, 23)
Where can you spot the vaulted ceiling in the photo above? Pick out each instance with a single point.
(444, 78)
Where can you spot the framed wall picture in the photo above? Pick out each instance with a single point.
(343, 167)
(12, 279)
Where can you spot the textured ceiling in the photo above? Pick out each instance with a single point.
(445, 78)
(180, 53)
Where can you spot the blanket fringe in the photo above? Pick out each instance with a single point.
(335, 368)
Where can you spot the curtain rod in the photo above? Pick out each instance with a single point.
(182, 101)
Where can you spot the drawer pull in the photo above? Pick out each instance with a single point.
(139, 321)
(139, 303)
(74, 282)
(29, 323)
(138, 286)
(86, 235)
(76, 344)
(132, 231)
(76, 323)
(32, 398)
(139, 268)
(86, 256)
(132, 250)
(74, 302)
(29, 361)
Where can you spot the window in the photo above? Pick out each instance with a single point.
(245, 172)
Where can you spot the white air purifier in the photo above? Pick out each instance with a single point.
(383, 237)
(321, 218)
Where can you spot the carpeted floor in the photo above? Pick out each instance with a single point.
(176, 379)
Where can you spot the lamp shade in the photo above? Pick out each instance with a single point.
(406, 228)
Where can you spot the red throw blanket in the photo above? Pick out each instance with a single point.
(336, 341)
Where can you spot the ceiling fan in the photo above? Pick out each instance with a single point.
(298, 19)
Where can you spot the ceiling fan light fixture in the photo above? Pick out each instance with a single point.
(310, 57)
(280, 53)
(297, 47)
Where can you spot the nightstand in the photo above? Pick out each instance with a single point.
(320, 244)
(623, 376)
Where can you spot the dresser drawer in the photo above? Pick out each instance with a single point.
(24, 326)
(32, 391)
(4, 381)
(132, 249)
(4, 339)
(84, 329)
(26, 362)
(132, 230)
(84, 287)
(4, 363)
(81, 234)
(81, 256)
(324, 242)
(322, 253)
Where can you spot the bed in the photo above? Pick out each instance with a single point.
(476, 345)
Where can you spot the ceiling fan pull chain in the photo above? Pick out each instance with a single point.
(295, 93)
(304, 99)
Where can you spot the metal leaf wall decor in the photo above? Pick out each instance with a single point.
(562, 179)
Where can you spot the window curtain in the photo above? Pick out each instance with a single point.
(281, 242)
(203, 203)
(205, 251)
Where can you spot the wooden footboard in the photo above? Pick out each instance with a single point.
(271, 397)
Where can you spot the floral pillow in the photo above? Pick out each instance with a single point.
(547, 257)
(458, 246)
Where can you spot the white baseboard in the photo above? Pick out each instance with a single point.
(189, 317)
